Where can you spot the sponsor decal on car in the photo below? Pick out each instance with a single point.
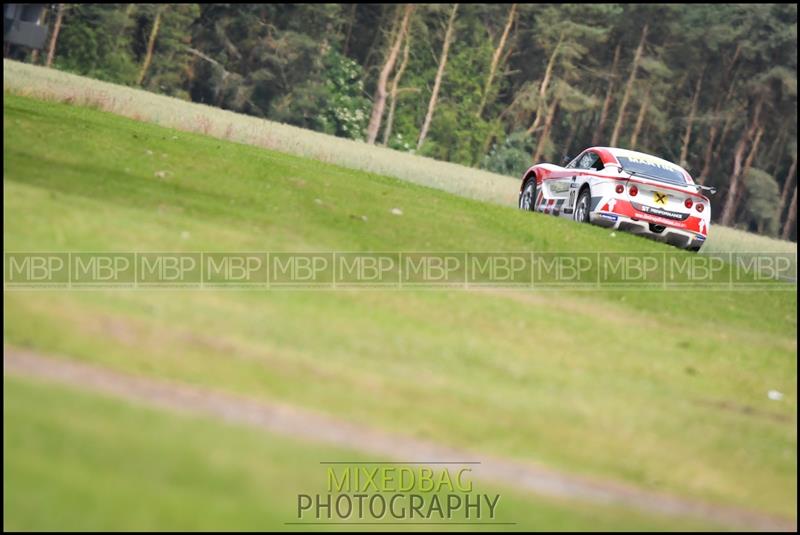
(609, 216)
(659, 198)
(660, 212)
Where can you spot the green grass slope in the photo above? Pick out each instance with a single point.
(51, 84)
(666, 390)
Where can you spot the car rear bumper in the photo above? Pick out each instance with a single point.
(678, 237)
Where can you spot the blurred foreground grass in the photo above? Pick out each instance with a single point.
(109, 465)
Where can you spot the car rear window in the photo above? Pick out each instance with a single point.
(653, 168)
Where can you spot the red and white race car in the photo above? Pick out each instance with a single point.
(625, 190)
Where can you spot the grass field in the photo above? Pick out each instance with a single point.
(664, 390)
(51, 84)
(112, 464)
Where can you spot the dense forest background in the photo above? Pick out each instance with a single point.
(710, 86)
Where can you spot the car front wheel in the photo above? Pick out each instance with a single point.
(526, 198)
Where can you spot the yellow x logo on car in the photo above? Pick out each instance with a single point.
(660, 198)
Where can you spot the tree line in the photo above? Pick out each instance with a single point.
(712, 87)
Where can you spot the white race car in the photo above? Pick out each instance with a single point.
(625, 190)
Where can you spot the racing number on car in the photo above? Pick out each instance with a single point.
(573, 188)
(660, 198)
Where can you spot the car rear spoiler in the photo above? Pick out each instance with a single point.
(710, 189)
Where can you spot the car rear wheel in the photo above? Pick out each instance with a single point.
(528, 195)
(582, 206)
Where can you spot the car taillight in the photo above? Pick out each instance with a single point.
(699, 207)
(634, 191)
(620, 188)
(688, 203)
